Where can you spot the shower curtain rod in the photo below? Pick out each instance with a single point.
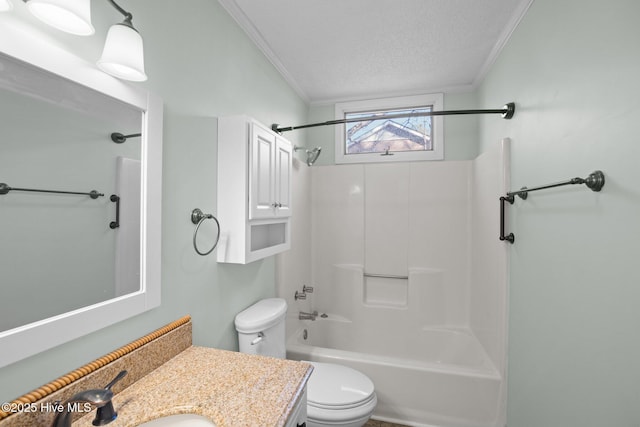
(506, 111)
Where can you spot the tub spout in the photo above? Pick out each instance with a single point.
(308, 316)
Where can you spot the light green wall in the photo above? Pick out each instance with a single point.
(203, 66)
(573, 69)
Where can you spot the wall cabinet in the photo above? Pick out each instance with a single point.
(254, 190)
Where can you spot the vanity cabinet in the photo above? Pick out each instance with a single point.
(254, 190)
(298, 417)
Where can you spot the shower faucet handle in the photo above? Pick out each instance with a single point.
(300, 295)
(307, 289)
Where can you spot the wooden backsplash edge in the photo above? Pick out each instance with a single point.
(90, 367)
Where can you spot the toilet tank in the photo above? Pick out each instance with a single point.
(261, 328)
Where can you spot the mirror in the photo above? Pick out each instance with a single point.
(74, 263)
(52, 142)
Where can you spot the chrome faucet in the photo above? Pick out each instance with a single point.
(308, 316)
(101, 398)
(303, 295)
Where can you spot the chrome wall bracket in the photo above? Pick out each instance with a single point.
(508, 237)
(115, 224)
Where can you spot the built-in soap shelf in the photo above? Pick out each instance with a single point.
(266, 236)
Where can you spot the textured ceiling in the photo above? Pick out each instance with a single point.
(333, 50)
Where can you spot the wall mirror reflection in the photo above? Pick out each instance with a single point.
(58, 252)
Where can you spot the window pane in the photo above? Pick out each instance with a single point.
(387, 134)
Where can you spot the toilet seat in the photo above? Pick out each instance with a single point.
(339, 393)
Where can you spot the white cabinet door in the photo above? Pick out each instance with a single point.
(282, 182)
(270, 170)
(262, 167)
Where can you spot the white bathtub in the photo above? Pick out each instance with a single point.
(441, 378)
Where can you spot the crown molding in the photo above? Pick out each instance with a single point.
(501, 43)
(247, 26)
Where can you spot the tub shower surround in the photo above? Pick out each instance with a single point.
(407, 264)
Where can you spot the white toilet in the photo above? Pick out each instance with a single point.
(336, 395)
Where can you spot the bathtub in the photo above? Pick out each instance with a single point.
(443, 377)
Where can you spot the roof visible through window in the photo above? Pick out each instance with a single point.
(387, 135)
(395, 129)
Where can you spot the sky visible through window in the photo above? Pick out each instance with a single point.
(389, 134)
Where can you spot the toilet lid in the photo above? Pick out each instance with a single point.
(332, 386)
(261, 315)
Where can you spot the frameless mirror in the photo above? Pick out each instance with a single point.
(79, 213)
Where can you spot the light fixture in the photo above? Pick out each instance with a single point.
(123, 53)
(5, 5)
(71, 16)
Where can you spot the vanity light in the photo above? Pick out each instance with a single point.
(123, 54)
(5, 5)
(71, 16)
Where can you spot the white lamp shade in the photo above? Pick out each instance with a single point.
(123, 54)
(5, 5)
(71, 16)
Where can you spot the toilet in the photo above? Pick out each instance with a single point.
(336, 395)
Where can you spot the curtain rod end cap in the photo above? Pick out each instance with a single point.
(509, 110)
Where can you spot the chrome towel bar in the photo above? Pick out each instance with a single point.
(595, 181)
(5, 188)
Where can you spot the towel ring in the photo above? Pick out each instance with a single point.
(198, 217)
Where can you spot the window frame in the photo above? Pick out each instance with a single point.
(436, 100)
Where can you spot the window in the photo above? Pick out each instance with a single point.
(393, 136)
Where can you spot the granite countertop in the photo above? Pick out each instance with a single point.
(230, 388)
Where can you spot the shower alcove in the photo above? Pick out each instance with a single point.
(406, 262)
